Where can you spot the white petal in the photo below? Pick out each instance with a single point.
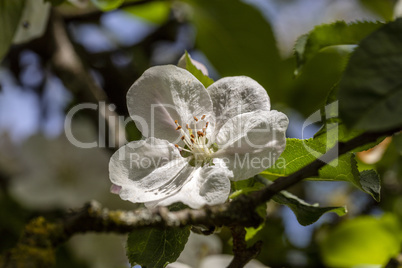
(236, 95)
(209, 185)
(148, 170)
(252, 142)
(164, 94)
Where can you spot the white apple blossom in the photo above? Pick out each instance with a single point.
(196, 139)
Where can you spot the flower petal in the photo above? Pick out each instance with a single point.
(164, 94)
(209, 185)
(236, 95)
(250, 143)
(148, 170)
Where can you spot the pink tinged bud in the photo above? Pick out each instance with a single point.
(115, 189)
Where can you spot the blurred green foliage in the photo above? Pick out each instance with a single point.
(10, 14)
(362, 241)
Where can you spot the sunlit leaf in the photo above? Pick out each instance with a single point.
(107, 5)
(204, 79)
(299, 153)
(155, 11)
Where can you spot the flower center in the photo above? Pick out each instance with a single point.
(195, 141)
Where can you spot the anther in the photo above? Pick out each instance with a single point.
(206, 124)
(199, 133)
(177, 146)
(187, 126)
(192, 136)
(176, 122)
(182, 138)
(178, 127)
(195, 118)
(202, 117)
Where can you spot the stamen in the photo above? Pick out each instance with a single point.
(195, 141)
(182, 149)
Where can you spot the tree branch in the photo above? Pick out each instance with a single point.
(45, 236)
(242, 254)
(75, 77)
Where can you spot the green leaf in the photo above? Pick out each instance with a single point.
(362, 241)
(251, 231)
(107, 5)
(155, 12)
(319, 78)
(245, 187)
(326, 35)
(334, 129)
(237, 40)
(10, 14)
(370, 182)
(306, 213)
(370, 93)
(186, 62)
(204, 79)
(299, 153)
(153, 247)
